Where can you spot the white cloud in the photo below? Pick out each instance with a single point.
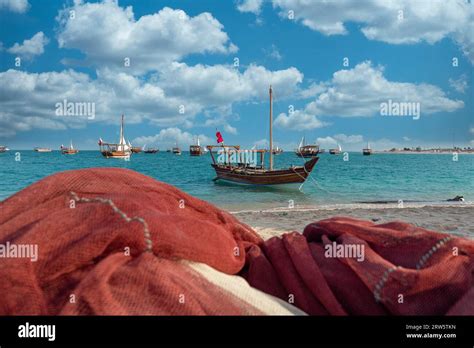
(252, 6)
(313, 90)
(261, 144)
(171, 95)
(221, 122)
(19, 6)
(326, 141)
(27, 97)
(298, 120)
(273, 53)
(349, 139)
(169, 136)
(222, 84)
(30, 47)
(460, 84)
(172, 98)
(381, 20)
(342, 139)
(361, 90)
(229, 129)
(108, 34)
(406, 139)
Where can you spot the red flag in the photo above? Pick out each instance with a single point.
(219, 137)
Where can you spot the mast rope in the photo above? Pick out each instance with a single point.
(314, 180)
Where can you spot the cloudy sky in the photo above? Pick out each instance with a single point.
(178, 69)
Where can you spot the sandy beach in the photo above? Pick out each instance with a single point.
(454, 219)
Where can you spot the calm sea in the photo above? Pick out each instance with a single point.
(380, 177)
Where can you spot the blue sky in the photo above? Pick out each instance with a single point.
(186, 59)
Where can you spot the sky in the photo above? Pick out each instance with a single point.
(182, 69)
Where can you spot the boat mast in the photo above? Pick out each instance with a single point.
(121, 146)
(271, 133)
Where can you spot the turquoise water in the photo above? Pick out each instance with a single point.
(380, 177)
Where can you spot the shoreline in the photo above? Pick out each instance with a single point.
(459, 152)
(454, 219)
(355, 206)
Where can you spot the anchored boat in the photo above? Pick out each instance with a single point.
(42, 149)
(306, 151)
(150, 149)
(336, 151)
(4, 149)
(120, 150)
(176, 150)
(250, 172)
(68, 150)
(277, 150)
(367, 151)
(196, 149)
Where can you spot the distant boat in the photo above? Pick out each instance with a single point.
(176, 150)
(367, 151)
(196, 149)
(277, 150)
(305, 151)
(68, 150)
(150, 150)
(42, 149)
(322, 151)
(4, 149)
(336, 151)
(120, 150)
(136, 149)
(256, 174)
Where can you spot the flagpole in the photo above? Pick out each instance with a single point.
(271, 130)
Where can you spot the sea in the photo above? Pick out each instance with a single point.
(336, 180)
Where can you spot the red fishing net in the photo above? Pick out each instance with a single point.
(404, 270)
(93, 229)
(113, 241)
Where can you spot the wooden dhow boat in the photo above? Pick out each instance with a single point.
(306, 151)
(149, 149)
(336, 151)
(367, 151)
(277, 150)
(176, 150)
(42, 149)
(196, 149)
(68, 150)
(120, 150)
(4, 148)
(243, 172)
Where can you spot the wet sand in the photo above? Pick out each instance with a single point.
(457, 220)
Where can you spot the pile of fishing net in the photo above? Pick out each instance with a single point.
(113, 241)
